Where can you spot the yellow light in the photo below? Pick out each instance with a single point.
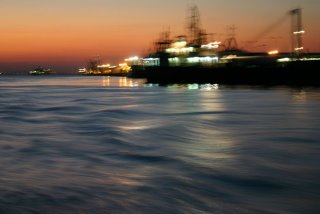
(123, 64)
(180, 50)
(104, 66)
(273, 52)
(230, 57)
(179, 44)
(134, 60)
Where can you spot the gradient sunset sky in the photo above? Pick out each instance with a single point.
(64, 34)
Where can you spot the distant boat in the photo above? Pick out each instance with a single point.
(82, 71)
(40, 71)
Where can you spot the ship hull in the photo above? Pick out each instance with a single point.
(298, 73)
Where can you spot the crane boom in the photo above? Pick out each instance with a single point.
(270, 28)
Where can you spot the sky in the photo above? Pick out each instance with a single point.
(64, 34)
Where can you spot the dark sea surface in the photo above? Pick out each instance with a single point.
(72, 144)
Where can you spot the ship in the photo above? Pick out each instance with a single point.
(196, 59)
(40, 71)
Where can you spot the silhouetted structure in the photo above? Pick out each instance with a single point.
(193, 60)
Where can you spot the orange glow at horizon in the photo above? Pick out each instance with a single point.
(74, 31)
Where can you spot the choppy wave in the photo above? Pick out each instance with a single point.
(91, 145)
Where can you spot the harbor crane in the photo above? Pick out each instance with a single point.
(296, 31)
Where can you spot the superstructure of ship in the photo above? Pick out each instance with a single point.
(40, 71)
(195, 58)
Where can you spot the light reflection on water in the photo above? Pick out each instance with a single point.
(122, 82)
(118, 145)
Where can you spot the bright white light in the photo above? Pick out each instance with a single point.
(203, 59)
(311, 59)
(299, 32)
(193, 86)
(151, 61)
(212, 45)
(284, 60)
(209, 87)
(180, 50)
(299, 49)
(133, 58)
(174, 59)
(82, 70)
(193, 59)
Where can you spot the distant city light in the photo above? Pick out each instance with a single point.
(82, 70)
(134, 58)
(104, 66)
(124, 67)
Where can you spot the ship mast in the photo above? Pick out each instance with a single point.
(197, 36)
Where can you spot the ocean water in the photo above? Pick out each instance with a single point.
(72, 144)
